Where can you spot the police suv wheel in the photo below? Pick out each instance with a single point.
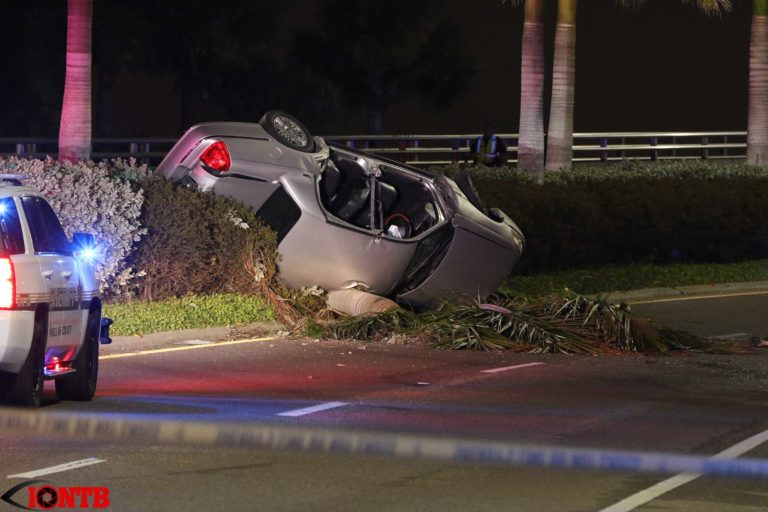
(81, 385)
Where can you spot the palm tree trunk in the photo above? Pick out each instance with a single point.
(530, 145)
(757, 129)
(75, 128)
(560, 133)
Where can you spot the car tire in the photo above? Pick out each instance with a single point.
(288, 131)
(26, 388)
(81, 385)
(466, 185)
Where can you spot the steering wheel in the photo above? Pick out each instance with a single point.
(402, 222)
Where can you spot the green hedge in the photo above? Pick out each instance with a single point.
(690, 211)
(198, 244)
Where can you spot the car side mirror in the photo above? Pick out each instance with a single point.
(84, 246)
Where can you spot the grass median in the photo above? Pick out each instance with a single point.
(634, 277)
(191, 312)
(201, 311)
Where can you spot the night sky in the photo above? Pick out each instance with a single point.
(662, 67)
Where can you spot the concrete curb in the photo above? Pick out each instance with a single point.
(687, 292)
(130, 343)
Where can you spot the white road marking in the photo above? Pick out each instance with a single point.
(514, 367)
(641, 498)
(68, 466)
(315, 408)
(698, 297)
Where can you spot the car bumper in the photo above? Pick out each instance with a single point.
(16, 328)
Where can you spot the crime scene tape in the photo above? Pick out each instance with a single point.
(114, 430)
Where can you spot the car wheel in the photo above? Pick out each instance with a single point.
(81, 385)
(26, 388)
(288, 131)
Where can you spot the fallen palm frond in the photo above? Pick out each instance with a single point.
(572, 324)
(557, 325)
(379, 325)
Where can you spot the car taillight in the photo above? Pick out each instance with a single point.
(7, 284)
(216, 156)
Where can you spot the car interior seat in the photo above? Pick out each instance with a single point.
(352, 191)
(386, 198)
(329, 183)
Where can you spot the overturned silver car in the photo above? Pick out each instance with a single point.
(346, 219)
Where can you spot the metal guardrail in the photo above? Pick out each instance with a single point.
(426, 150)
(145, 149)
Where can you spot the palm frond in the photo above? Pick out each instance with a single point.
(711, 7)
(380, 325)
(571, 324)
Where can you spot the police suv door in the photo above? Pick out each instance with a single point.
(58, 267)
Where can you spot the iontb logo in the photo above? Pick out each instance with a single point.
(42, 495)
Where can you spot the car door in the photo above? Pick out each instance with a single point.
(59, 269)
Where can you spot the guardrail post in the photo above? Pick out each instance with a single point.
(402, 145)
(654, 152)
(674, 150)
(133, 148)
(351, 144)
(416, 147)
(21, 149)
(464, 157)
(705, 151)
(455, 151)
(725, 149)
(32, 149)
(604, 149)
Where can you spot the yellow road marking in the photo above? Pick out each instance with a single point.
(700, 297)
(177, 349)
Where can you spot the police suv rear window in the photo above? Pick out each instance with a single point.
(47, 234)
(11, 237)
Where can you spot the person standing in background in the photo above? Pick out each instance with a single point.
(489, 149)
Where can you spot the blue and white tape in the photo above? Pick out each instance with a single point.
(115, 430)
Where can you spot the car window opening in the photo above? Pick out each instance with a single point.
(396, 204)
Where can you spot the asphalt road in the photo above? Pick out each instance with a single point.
(688, 404)
(714, 316)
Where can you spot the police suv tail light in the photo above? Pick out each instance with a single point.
(7, 284)
(216, 156)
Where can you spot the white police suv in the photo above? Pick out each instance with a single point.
(50, 311)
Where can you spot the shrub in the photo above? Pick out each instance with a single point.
(199, 244)
(93, 198)
(633, 213)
